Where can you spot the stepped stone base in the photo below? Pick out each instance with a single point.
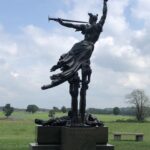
(35, 146)
(71, 138)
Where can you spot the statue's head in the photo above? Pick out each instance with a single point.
(92, 18)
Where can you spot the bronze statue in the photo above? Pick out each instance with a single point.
(78, 58)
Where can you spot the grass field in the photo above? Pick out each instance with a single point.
(17, 132)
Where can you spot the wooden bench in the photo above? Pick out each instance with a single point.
(138, 136)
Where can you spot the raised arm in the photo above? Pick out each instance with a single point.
(103, 18)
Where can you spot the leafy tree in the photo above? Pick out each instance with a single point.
(116, 111)
(140, 101)
(63, 109)
(8, 110)
(56, 109)
(32, 108)
(51, 113)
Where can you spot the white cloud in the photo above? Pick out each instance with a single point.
(135, 80)
(6, 94)
(14, 74)
(120, 61)
(141, 9)
(7, 47)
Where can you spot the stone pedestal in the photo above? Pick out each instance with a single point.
(83, 138)
(48, 135)
(71, 138)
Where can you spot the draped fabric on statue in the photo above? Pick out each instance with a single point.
(72, 61)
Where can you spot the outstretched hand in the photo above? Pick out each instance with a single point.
(60, 20)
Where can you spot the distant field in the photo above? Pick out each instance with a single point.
(18, 131)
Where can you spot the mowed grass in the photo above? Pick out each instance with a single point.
(19, 130)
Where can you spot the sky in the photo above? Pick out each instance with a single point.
(30, 45)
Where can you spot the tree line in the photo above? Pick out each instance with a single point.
(116, 111)
(138, 100)
(140, 106)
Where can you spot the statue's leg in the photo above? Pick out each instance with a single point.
(84, 87)
(74, 90)
(86, 73)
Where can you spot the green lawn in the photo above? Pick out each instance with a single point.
(17, 132)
